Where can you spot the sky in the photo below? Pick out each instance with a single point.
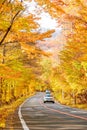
(45, 21)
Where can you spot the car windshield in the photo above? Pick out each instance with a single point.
(48, 95)
(47, 91)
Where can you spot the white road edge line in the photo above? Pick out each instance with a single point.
(24, 125)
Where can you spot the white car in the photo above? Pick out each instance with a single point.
(48, 98)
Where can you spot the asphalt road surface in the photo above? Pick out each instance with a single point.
(33, 114)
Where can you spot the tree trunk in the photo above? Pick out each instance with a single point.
(74, 98)
(4, 53)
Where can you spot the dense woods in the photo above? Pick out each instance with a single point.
(25, 68)
(68, 80)
(17, 48)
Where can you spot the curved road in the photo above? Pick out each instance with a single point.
(35, 115)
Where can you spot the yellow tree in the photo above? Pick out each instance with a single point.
(74, 55)
(73, 58)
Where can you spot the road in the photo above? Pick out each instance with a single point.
(35, 115)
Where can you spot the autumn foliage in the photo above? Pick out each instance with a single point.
(69, 79)
(25, 68)
(16, 37)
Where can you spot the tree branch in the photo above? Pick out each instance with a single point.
(9, 28)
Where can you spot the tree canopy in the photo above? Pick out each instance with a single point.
(25, 67)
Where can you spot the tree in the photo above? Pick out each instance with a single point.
(74, 54)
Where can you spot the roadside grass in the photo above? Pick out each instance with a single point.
(69, 102)
(80, 106)
(6, 110)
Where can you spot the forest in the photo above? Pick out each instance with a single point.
(26, 68)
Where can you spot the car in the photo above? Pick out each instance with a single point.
(48, 98)
(47, 91)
